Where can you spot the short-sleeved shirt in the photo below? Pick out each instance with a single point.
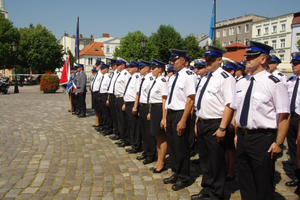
(268, 99)
(113, 77)
(121, 82)
(159, 89)
(94, 85)
(145, 87)
(104, 83)
(184, 87)
(280, 76)
(290, 87)
(219, 92)
(132, 87)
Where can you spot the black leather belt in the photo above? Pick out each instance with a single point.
(155, 104)
(294, 114)
(174, 111)
(95, 92)
(143, 104)
(209, 121)
(129, 103)
(246, 131)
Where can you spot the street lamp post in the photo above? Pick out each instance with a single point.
(143, 43)
(14, 48)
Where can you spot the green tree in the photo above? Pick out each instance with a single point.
(39, 49)
(130, 47)
(298, 45)
(166, 38)
(193, 48)
(8, 35)
(71, 58)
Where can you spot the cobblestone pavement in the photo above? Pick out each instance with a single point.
(47, 153)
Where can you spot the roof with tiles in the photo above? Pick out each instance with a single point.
(94, 48)
(235, 51)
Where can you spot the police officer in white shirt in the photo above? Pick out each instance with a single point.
(129, 99)
(179, 104)
(294, 95)
(262, 110)
(240, 71)
(213, 99)
(94, 95)
(119, 88)
(274, 61)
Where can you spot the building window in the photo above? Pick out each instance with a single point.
(282, 43)
(90, 61)
(281, 57)
(224, 32)
(230, 42)
(239, 30)
(258, 31)
(107, 49)
(266, 30)
(282, 27)
(266, 42)
(239, 41)
(218, 33)
(224, 44)
(274, 30)
(246, 28)
(274, 44)
(246, 40)
(231, 31)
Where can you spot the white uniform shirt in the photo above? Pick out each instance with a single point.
(132, 87)
(159, 89)
(121, 82)
(290, 87)
(113, 77)
(184, 87)
(219, 92)
(268, 98)
(104, 83)
(96, 81)
(239, 78)
(280, 76)
(145, 87)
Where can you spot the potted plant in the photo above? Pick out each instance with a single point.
(49, 83)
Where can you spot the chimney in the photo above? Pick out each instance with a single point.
(66, 34)
(92, 36)
(73, 36)
(105, 35)
(80, 36)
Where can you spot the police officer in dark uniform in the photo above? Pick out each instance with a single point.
(294, 95)
(262, 110)
(81, 91)
(75, 110)
(179, 104)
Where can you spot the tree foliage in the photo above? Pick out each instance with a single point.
(8, 35)
(298, 45)
(130, 47)
(193, 48)
(39, 49)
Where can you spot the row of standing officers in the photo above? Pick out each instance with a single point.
(152, 112)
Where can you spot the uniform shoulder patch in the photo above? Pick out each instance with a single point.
(151, 78)
(125, 73)
(163, 80)
(291, 78)
(189, 72)
(137, 76)
(280, 74)
(224, 74)
(274, 79)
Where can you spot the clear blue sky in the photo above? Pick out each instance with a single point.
(118, 17)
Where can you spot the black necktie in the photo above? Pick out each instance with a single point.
(293, 101)
(198, 85)
(94, 81)
(202, 91)
(140, 90)
(115, 83)
(245, 109)
(148, 97)
(127, 85)
(101, 83)
(110, 81)
(172, 89)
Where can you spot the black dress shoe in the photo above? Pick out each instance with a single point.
(133, 151)
(124, 144)
(129, 149)
(200, 196)
(141, 157)
(69, 110)
(114, 137)
(159, 171)
(292, 183)
(147, 161)
(179, 185)
(151, 168)
(119, 142)
(172, 179)
(95, 126)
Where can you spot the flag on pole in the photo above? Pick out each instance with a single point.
(77, 41)
(65, 75)
(212, 26)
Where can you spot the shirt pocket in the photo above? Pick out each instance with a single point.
(179, 86)
(260, 100)
(212, 92)
(239, 98)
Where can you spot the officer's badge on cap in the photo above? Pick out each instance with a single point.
(121, 61)
(240, 65)
(159, 63)
(229, 65)
(295, 57)
(256, 48)
(175, 53)
(112, 61)
(133, 64)
(104, 65)
(212, 51)
(94, 69)
(143, 63)
(274, 59)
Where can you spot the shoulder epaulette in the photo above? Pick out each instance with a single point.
(151, 78)
(189, 72)
(125, 73)
(163, 80)
(291, 78)
(280, 74)
(274, 79)
(224, 74)
(137, 76)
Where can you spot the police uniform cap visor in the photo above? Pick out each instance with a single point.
(104, 66)
(79, 65)
(158, 63)
(176, 53)
(240, 65)
(112, 61)
(256, 48)
(229, 65)
(295, 57)
(94, 70)
(133, 64)
(275, 59)
(213, 52)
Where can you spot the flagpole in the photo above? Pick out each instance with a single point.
(77, 41)
(215, 13)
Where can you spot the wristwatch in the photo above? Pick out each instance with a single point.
(135, 107)
(279, 144)
(222, 129)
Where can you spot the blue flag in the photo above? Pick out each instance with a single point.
(212, 26)
(77, 40)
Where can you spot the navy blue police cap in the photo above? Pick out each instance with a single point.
(274, 59)
(133, 64)
(104, 65)
(240, 65)
(188, 59)
(112, 61)
(98, 62)
(79, 65)
(229, 65)
(192, 67)
(176, 53)
(171, 69)
(295, 57)
(143, 63)
(212, 51)
(201, 64)
(94, 69)
(75, 67)
(121, 61)
(256, 48)
(158, 63)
